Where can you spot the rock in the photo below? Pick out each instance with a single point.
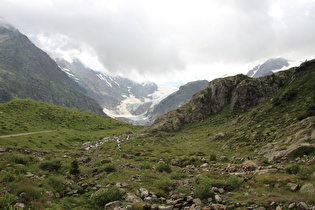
(57, 195)
(132, 198)
(279, 208)
(218, 207)
(308, 189)
(260, 208)
(29, 174)
(175, 162)
(293, 187)
(3, 149)
(189, 199)
(224, 158)
(292, 205)
(144, 193)
(19, 206)
(218, 199)
(302, 206)
(165, 207)
(111, 205)
(205, 165)
(197, 202)
(250, 165)
(50, 194)
(221, 190)
(215, 189)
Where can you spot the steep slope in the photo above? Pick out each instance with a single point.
(28, 72)
(120, 98)
(238, 93)
(268, 67)
(177, 99)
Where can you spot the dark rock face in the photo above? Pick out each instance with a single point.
(237, 92)
(28, 72)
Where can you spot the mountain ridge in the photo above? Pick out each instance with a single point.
(238, 92)
(28, 72)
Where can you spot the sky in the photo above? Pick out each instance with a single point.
(168, 41)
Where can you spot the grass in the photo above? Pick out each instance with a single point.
(144, 160)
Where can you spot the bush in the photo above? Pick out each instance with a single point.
(53, 165)
(213, 157)
(305, 173)
(292, 169)
(301, 151)
(230, 184)
(30, 192)
(8, 177)
(19, 159)
(164, 167)
(109, 168)
(164, 184)
(203, 189)
(178, 176)
(7, 200)
(56, 182)
(145, 166)
(106, 195)
(74, 169)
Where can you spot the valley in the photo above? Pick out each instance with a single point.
(204, 155)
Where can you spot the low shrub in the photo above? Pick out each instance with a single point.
(74, 169)
(164, 167)
(145, 166)
(53, 165)
(7, 200)
(292, 169)
(109, 167)
(8, 177)
(56, 183)
(304, 150)
(232, 183)
(164, 184)
(19, 158)
(178, 176)
(203, 189)
(213, 157)
(106, 195)
(305, 173)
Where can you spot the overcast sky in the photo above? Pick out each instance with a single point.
(168, 41)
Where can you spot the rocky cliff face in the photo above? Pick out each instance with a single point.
(237, 92)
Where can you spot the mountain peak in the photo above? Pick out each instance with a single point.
(268, 67)
(5, 24)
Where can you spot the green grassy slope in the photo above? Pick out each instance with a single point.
(67, 124)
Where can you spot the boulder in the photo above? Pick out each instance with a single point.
(302, 206)
(111, 205)
(132, 198)
(218, 199)
(308, 189)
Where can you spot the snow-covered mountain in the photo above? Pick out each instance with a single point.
(270, 66)
(120, 98)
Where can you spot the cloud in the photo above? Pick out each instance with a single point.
(168, 39)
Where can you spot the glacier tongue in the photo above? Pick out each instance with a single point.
(130, 104)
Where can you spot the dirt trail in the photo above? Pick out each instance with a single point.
(22, 134)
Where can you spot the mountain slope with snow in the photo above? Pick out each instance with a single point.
(120, 98)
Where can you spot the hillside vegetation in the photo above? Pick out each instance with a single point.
(241, 143)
